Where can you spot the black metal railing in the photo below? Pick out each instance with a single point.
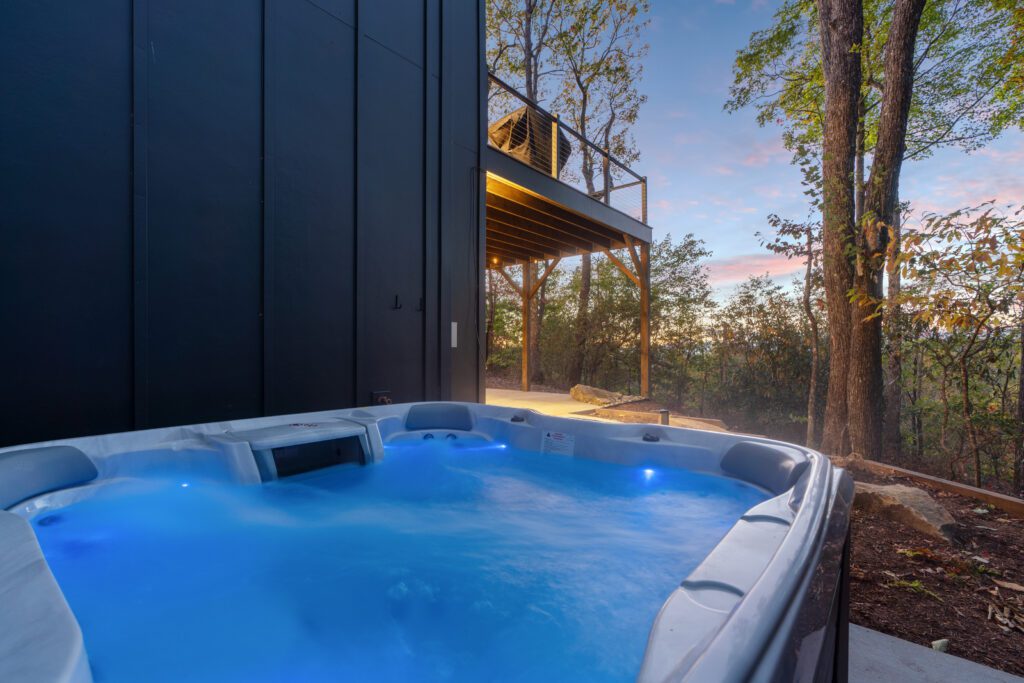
(523, 129)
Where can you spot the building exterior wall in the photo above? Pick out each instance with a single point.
(214, 210)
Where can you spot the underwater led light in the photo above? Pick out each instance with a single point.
(648, 473)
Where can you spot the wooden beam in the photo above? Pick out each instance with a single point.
(508, 279)
(1008, 504)
(622, 266)
(506, 253)
(540, 281)
(631, 245)
(522, 243)
(551, 230)
(497, 190)
(514, 246)
(551, 242)
(497, 262)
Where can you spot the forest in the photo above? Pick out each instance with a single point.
(902, 337)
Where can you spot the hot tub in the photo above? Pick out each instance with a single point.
(422, 542)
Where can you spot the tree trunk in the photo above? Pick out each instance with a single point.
(972, 437)
(582, 322)
(892, 438)
(864, 381)
(916, 417)
(842, 28)
(858, 167)
(586, 265)
(529, 66)
(1018, 451)
(536, 320)
(944, 426)
(812, 321)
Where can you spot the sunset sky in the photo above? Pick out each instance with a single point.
(718, 175)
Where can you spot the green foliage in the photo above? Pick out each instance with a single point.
(965, 291)
(601, 55)
(967, 267)
(967, 55)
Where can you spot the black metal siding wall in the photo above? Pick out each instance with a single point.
(218, 210)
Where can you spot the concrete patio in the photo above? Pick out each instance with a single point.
(563, 405)
(876, 657)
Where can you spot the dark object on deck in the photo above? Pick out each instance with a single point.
(526, 135)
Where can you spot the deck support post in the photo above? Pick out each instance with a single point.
(640, 255)
(527, 291)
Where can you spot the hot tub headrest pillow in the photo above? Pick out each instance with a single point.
(30, 472)
(453, 416)
(771, 466)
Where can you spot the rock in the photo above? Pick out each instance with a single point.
(598, 397)
(941, 645)
(909, 505)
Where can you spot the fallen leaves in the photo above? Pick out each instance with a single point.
(1009, 585)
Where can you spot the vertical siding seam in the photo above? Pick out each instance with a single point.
(267, 207)
(424, 233)
(140, 212)
(357, 308)
(481, 190)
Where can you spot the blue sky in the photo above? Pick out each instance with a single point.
(718, 175)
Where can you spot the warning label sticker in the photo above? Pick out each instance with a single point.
(559, 443)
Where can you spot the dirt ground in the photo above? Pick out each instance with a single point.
(920, 589)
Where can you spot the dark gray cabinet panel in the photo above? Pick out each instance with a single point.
(462, 196)
(203, 264)
(390, 230)
(396, 26)
(65, 231)
(310, 194)
(461, 262)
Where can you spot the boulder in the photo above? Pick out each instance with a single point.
(598, 397)
(909, 505)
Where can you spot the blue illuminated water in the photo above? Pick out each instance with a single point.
(443, 562)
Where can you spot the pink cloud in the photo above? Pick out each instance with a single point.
(950, 193)
(768, 192)
(687, 138)
(738, 268)
(763, 153)
(1008, 156)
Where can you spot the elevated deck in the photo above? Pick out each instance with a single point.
(552, 194)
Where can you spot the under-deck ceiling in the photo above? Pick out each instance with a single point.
(532, 217)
